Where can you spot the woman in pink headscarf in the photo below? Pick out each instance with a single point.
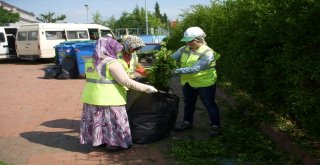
(104, 118)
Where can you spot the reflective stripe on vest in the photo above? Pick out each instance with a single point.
(103, 91)
(101, 81)
(184, 51)
(195, 53)
(203, 78)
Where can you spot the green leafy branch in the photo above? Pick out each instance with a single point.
(160, 73)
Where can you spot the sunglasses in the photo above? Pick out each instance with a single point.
(190, 41)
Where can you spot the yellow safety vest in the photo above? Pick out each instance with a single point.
(204, 78)
(102, 90)
(133, 63)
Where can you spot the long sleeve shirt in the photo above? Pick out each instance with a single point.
(120, 75)
(200, 65)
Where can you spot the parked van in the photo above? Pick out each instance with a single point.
(7, 42)
(37, 40)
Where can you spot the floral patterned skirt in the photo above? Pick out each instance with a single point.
(107, 125)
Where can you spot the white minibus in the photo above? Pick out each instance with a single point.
(7, 42)
(38, 40)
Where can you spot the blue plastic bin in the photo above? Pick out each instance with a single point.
(59, 53)
(84, 51)
(65, 49)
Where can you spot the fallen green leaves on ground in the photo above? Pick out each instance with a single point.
(240, 143)
(2, 163)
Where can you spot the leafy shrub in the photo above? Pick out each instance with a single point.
(162, 70)
(270, 49)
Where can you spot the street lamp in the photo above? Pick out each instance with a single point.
(87, 7)
(145, 8)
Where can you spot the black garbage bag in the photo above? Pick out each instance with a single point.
(51, 72)
(151, 116)
(63, 75)
(69, 64)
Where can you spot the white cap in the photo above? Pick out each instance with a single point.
(191, 33)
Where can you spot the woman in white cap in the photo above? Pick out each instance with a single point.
(198, 77)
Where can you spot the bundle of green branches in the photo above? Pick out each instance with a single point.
(160, 73)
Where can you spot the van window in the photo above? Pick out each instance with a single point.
(93, 33)
(105, 32)
(2, 39)
(77, 34)
(22, 36)
(133, 31)
(54, 35)
(83, 34)
(32, 35)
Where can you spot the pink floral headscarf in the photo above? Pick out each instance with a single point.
(106, 47)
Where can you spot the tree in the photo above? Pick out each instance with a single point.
(164, 20)
(111, 22)
(97, 18)
(136, 19)
(157, 11)
(123, 20)
(48, 18)
(8, 17)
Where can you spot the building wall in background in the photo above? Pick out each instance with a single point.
(25, 16)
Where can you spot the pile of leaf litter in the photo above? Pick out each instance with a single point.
(162, 70)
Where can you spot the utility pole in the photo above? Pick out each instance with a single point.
(145, 8)
(87, 7)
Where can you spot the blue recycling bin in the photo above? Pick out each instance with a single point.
(84, 51)
(59, 53)
(65, 49)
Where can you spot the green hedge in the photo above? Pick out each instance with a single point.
(270, 49)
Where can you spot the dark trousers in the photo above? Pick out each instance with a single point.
(207, 96)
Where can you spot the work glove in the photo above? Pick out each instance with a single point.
(151, 89)
(140, 69)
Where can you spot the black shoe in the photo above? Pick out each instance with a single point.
(183, 126)
(113, 148)
(214, 131)
(116, 148)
